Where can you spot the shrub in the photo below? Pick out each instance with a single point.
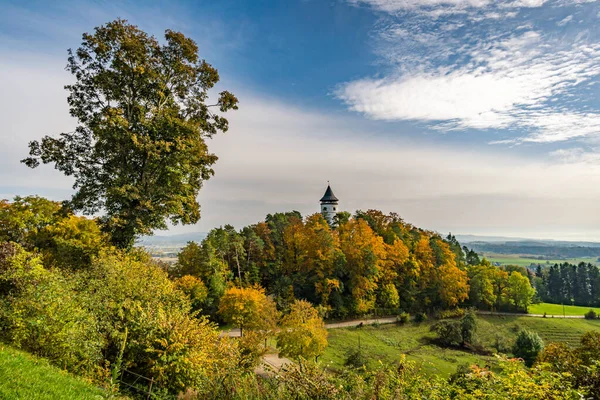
(41, 312)
(166, 341)
(527, 346)
(420, 317)
(590, 347)
(454, 313)
(559, 356)
(468, 327)
(448, 332)
(590, 315)
(356, 358)
(502, 344)
(403, 318)
(194, 288)
(456, 333)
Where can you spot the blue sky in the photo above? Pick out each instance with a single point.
(475, 116)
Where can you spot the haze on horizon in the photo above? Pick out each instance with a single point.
(464, 116)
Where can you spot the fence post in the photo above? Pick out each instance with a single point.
(150, 389)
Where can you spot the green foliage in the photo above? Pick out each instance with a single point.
(194, 288)
(448, 332)
(420, 317)
(453, 313)
(40, 312)
(389, 297)
(23, 219)
(468, 327)
(403, 318)
(356, 358)
(121, 312)
(456, 332)
(139, 151)
(519, 291)
(64, 240)
(302, 333)
(591, 315)
(403, 380)
(527, 346)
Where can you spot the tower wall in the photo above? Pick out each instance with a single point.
(328, 210)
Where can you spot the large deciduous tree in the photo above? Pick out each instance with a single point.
(138, 153)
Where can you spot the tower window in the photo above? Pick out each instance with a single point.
(333, 208)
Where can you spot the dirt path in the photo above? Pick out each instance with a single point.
(235, 332)
(271, 362)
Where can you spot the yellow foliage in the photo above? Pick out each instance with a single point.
(248, 308)
(302, 332)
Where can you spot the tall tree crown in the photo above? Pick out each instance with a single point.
(139, 152)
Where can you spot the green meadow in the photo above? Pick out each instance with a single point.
(523, 260)
(387, 343)
(25, 377)
(560, 310)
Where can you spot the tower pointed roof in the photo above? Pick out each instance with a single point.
(329, 196)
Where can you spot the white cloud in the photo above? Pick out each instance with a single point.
(504, 84)
(577, 155)
(455, 74)
(565, 20)
(456, 5)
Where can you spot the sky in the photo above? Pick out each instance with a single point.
(464, 116)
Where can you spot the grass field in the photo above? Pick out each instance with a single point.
(557, 309)
(387, 342)
(23, 376)
(522, 260)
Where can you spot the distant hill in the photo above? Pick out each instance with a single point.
(171, 240)
(467, 239)
(555, 249)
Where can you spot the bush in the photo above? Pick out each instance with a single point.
(420, 317)
(356, 358)
(502, 344)
(527, 346)
(403, 318)
(591, 315)
(41, 312)
(456, 333)
(454, 313)
(468, 327)
(80, 320)
(448, 332)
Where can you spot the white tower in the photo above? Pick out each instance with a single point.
(329, 204)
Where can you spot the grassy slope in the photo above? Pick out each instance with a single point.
(23, 376)
(557, 309)
(388, 342)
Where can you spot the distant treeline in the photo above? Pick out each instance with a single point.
(568, 284)
(536, 249)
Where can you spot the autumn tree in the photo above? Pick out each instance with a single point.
(302, 332)
(194, 288)
(139, 152)
(320, 251)
(451, 281)
(248, 308)
(364, 253)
